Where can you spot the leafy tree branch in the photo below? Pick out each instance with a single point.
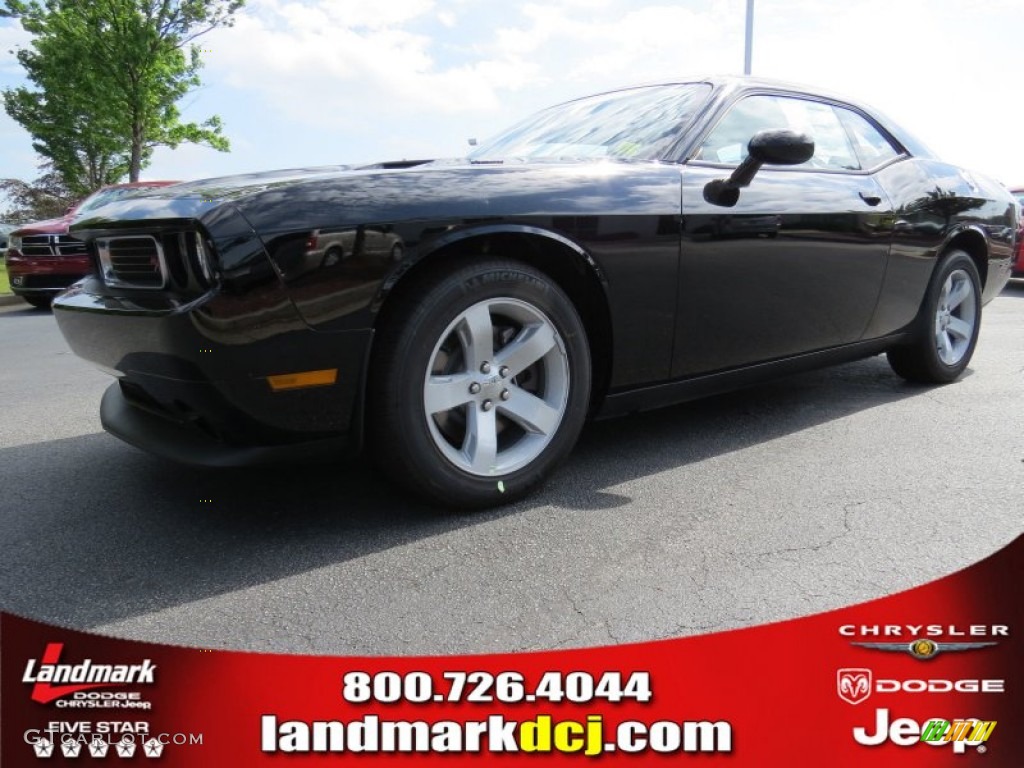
(107, 77)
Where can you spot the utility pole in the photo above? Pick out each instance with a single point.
(748, 49)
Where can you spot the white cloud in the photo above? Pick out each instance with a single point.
(12, 37)
(326, 65)
(342, 13)
(946, 75)
(420, 77)
(403, 78)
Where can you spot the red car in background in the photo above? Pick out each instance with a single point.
(1018, 258)
(43, 259)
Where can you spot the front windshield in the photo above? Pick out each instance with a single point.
(635, 124)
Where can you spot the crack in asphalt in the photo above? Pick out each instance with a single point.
(848, 510)
(601, 623)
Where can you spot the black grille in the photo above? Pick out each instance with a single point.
(135, 262)
(52, 246)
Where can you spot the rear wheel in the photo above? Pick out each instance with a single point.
(948, 326)
(480, 384)
(333, 256)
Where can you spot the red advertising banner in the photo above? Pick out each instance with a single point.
(929, 677)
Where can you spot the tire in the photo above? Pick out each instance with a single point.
(479, 384)
(947, 327)
(39, 302)
(332, 256)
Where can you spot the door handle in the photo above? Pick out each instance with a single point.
(870, 199)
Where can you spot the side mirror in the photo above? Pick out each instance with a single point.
(772, 147)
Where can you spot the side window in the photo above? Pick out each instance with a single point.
(872, 147)
(727, 142)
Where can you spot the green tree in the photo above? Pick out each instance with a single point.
(83, 144)
(108, 77)
(45, 198)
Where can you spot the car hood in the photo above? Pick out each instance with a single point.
(196, 200)
(57, 226)
(233, 187)
(340, 196)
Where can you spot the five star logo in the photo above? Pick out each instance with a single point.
(98, 747)
(43, 748)
(71, 748)
(125, 748)
(153, 748)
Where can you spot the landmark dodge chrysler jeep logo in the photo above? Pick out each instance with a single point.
(79, 677)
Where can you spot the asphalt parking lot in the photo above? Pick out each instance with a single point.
(807, 494)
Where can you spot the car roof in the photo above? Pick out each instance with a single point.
(736, 82)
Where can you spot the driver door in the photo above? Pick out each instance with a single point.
(797, 264)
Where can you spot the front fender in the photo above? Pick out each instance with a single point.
(461, 235)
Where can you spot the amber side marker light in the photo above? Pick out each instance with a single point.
(286, 381)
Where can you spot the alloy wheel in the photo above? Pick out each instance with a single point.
(955, 317)
(497, 387)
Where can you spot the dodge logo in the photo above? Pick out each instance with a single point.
(853, 685)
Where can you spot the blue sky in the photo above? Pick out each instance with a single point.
(337, 81)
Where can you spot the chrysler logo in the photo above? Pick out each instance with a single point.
(853, 685)
(923, 648)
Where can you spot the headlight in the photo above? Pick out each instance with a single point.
(14, 243)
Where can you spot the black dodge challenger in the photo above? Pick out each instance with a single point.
(463, 318)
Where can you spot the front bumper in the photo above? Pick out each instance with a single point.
(38, 276)
(192, 376)
(188, 443)
(41, 285)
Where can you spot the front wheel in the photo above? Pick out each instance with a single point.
(948, 326)
(480, 384)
